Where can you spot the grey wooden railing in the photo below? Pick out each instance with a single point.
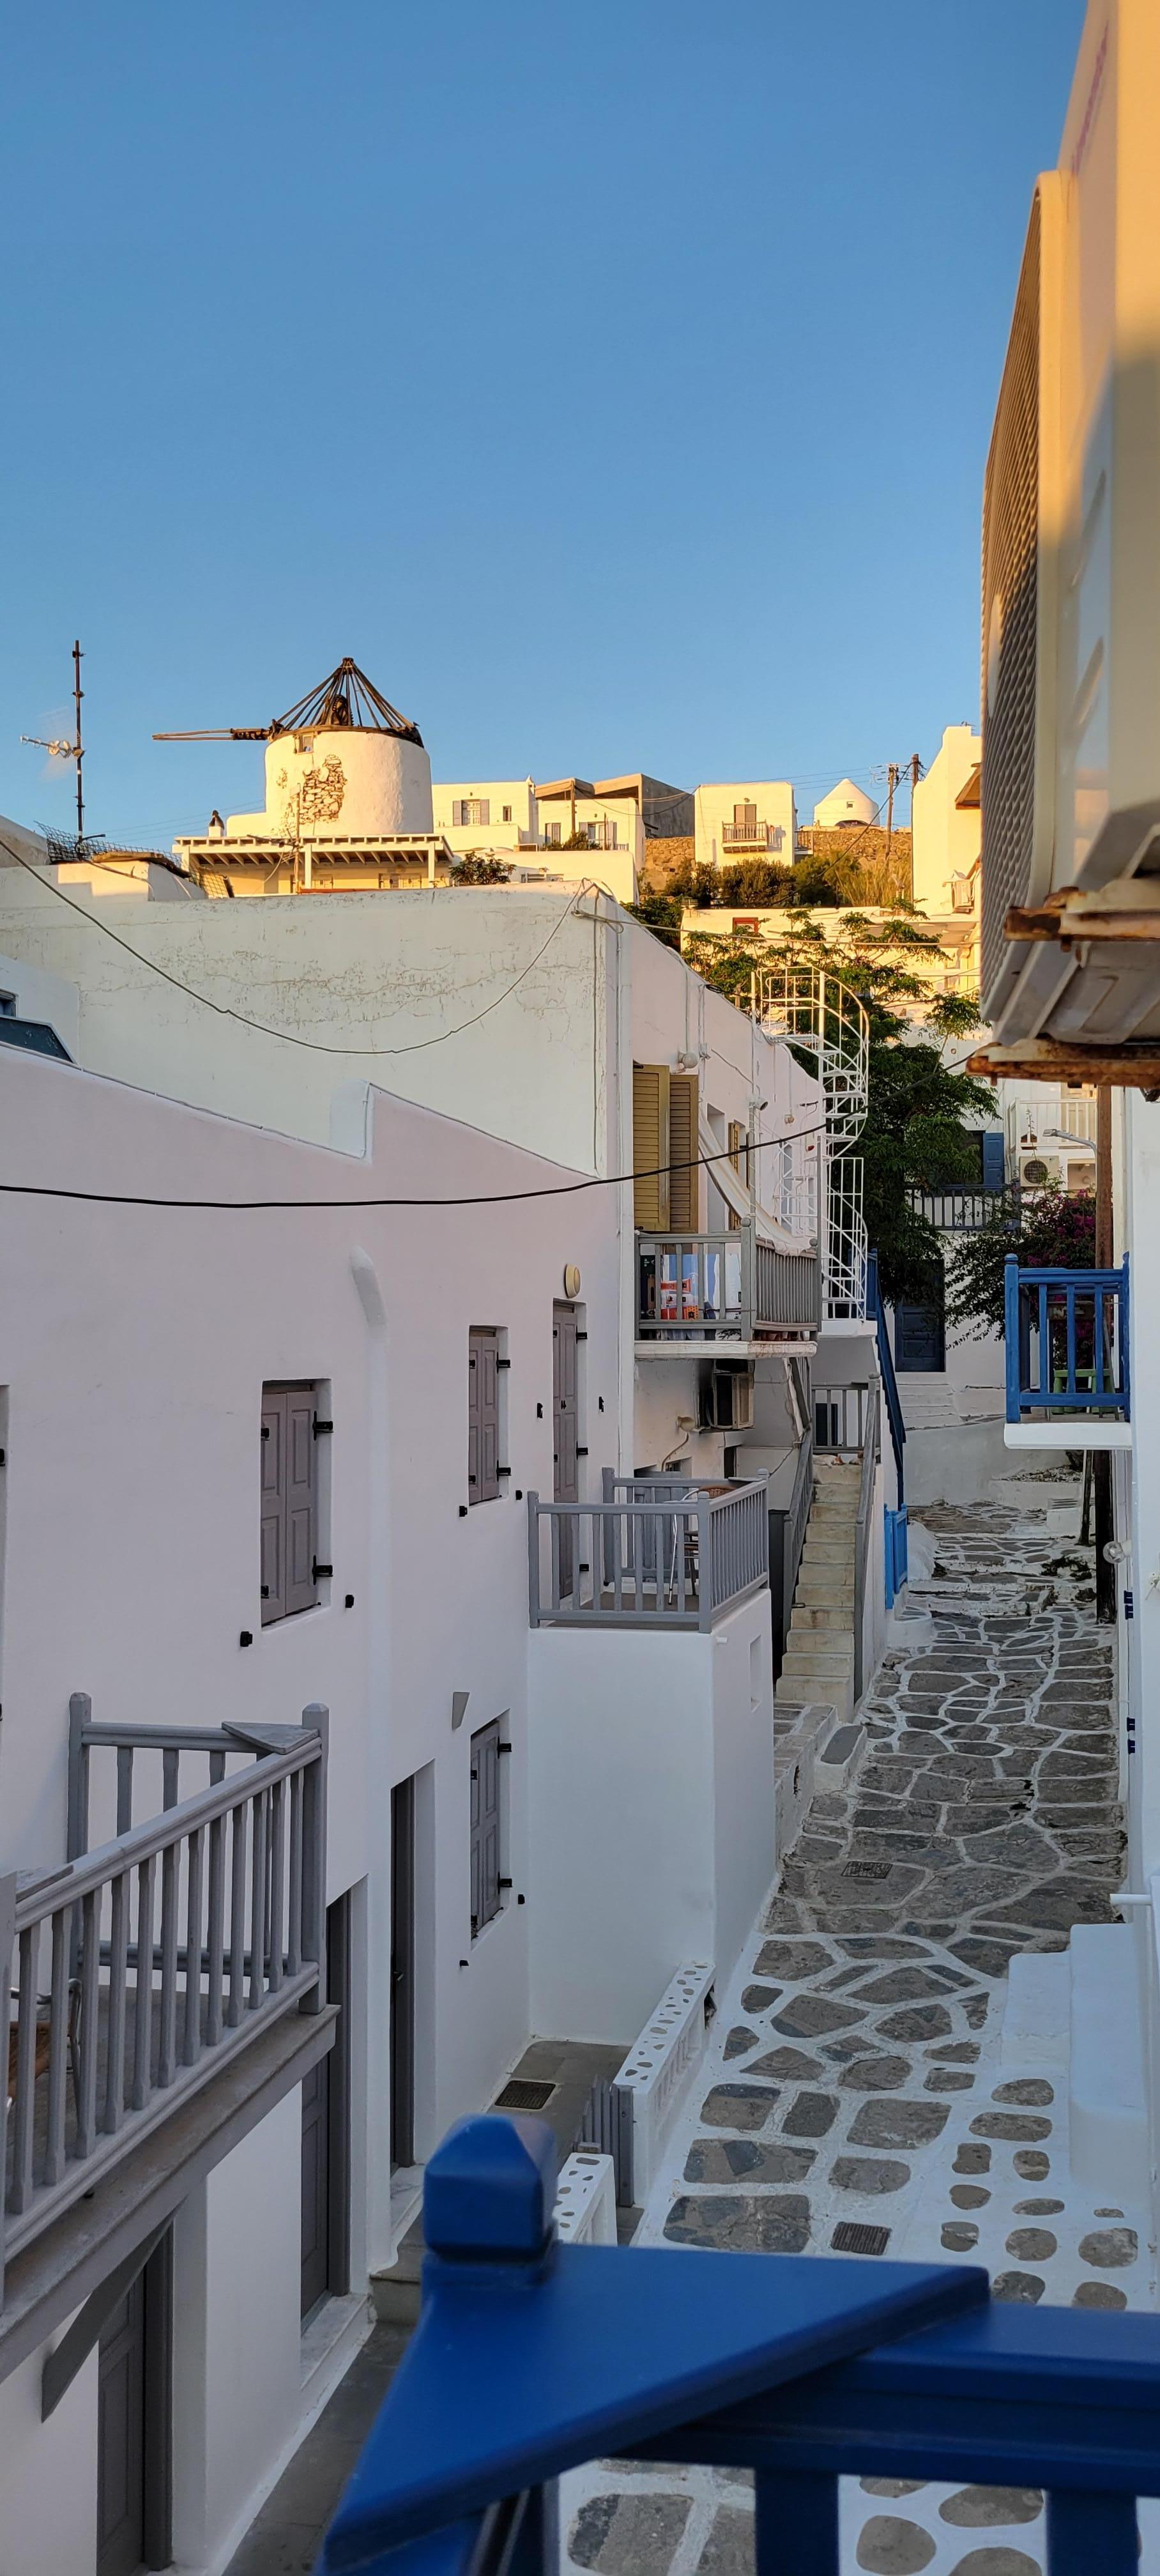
(863, 1529)
(676, 1559)
(840, 1419)
(723, 1287)
(145, 1965)
(787, 1538)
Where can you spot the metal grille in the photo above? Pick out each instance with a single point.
(855, 2236)
(606, 2124)
(522, 2095)
(1010, 602)
(866, 1869)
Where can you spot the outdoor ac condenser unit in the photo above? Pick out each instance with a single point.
(727, 1399)
(1040, 1171)
(1071, 570)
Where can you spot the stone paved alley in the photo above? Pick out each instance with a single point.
(855, 2072)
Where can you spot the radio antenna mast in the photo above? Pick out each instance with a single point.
(74, 750)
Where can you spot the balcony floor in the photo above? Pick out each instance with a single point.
(1079, 1431)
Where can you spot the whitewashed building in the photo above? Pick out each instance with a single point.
(745, 819)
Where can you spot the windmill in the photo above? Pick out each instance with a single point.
(345, 701)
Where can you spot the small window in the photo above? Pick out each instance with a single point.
(469, 810)
(289, 1501)
(552, 835)
(7, 1006)
(746, 921)
(507, 813)
(485, 1837)
(483, 1460)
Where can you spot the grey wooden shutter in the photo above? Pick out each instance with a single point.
(273, 1549)
(301, 1451)
(485, 1887)
(289, 1471)
(482, 1415)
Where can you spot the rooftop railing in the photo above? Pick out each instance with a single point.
(724, 1287)
(1066, 1335)
(531, 2358)
(145, 1965)
(654, 1553)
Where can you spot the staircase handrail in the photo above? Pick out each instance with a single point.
(875, 1307)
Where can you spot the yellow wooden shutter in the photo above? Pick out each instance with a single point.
(684, 1146)
(650, 1145)
(736, 1148)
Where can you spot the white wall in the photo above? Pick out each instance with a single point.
(39, 995)
(945, 841)
(361, 784)
(135, 1344)
(713, 809)
(48, 2472)
(652, 1812)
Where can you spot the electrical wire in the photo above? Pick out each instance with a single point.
(316, 1046)
(479, 1198)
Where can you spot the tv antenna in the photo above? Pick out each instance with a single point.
(74, 750)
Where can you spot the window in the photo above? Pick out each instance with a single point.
(552, 835)
(507, 813)
(289, 1501)
(665, 1113)
(483, 1461)
(7, 1006)
(485, 1878)
(745, 818)
(466, 810)
(746, 921)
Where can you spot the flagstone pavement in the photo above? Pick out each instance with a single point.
(855, 2075)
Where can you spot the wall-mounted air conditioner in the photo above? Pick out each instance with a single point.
(1071, 575)
(727, 1398)
(1040, 1171)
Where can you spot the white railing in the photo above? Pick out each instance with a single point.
(585, 2211)
(1066, 1118)
(658, 2069)
(745, 836)
(845, 1246)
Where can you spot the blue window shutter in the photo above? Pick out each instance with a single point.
(994, 1160)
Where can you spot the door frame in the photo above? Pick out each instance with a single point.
(156, 2284)
(402, 1974)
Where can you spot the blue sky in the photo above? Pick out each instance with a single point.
(612, 382)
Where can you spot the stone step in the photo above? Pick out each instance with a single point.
(822, 1591)
(822, 1672)
(822, 1615)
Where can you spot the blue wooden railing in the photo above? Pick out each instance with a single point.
(531, 2358)
(894, 1552)
(1066, 1334)
(876, 1311)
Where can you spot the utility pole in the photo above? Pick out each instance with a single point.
(78, 694)
(915, 775)
(893, 774)
(1106, 1605)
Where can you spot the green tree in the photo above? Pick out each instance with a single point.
(480, 872)
(1049, 1230)
(921, 1123)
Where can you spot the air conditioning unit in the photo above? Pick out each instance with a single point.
(1071, 573)
(1040, 1171)
(727, 1398)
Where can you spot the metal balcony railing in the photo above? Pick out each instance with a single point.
(745, 836)
(961, 1208)
(532, 2357)
(724, 1287)
(1066, 1335)
(656, 1552)
(144, 1966)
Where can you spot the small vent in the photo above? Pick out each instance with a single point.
(853, 2236)
(522, 2095)
(866, 1869)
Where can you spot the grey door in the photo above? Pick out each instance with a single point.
(485, 1878)
(134, 2424)
(919, 1338)
(326, 2135)
(402, 2035)
(316, 2185)
(565, 1430)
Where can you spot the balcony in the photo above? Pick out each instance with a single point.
(657, 1552)
(963, 1209)
(700, 1290)
(533, 2357)
(750, 836)
(1067, 1355)
(156, 1985)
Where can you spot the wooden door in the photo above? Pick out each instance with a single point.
(121, 2438)
(402, 2033)
(135, 2424)
(919, 1338)
(565, 1431)
(316, 2185)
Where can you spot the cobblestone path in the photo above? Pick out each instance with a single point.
(856, 2077)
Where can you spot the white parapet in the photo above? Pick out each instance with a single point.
(657, 2070)
(585, 2210)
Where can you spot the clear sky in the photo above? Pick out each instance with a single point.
(613, 382)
